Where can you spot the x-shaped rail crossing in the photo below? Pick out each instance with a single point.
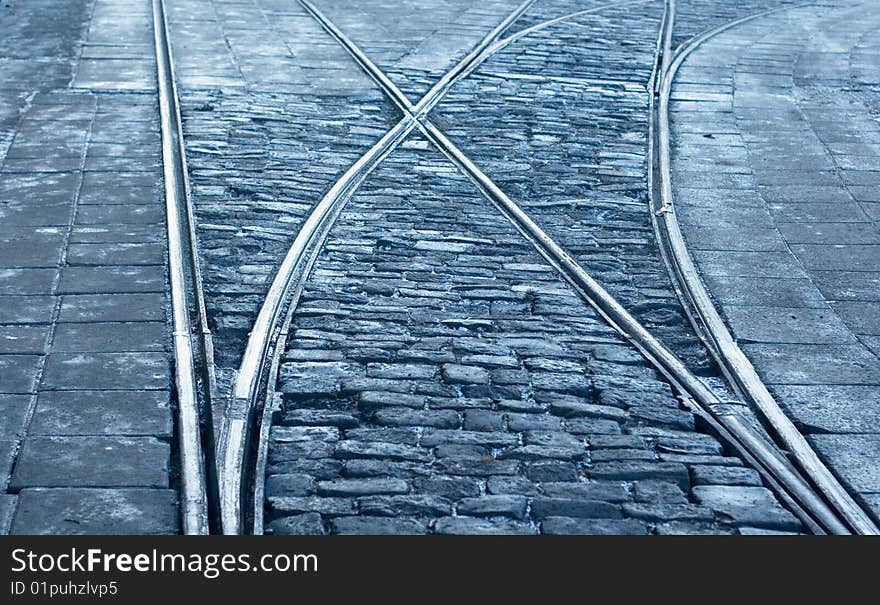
(290, 277)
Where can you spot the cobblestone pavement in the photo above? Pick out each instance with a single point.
(785, 109)
(444, 380)
(85, 415)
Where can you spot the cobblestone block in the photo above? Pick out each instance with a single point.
(593, 527)
(476, 468)
(541, 452)
(463, 374)
(361, 487)
(533, 422)
(444, 419)
(318, 418)
(511, 485)
(453, 488)
(543, 507)
(290, 484)
(483, 420)
(372, 526)
(668, 512)
(293, 505)
(308, 524)
(551, 471)
(432, 438)
(605, 491)
(319, 469)
(724, 475)
(380, 450)
(398, 506)
(404, 435)
(634, 471)
(494, 505)
(375, 399)
(307, 434)
(660, 492)
(482, 527)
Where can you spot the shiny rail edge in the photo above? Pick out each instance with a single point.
(704, 316)
(194, 485)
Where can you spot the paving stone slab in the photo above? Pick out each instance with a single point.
(18, 339)
(111, 279)
(785, 325)
(106, 371)
(27, 281)
(848, 285)
(765, 291)
(748, 264)
(19, 373)
(8, 503)
(13, 412)
(831, 408)
(59, 511)
(853, 457)
(109, 337)
(842, 257)
(90, 308)
(26, 309)
(103, 413)
(829, 233)
(92, 462)
(814, 364)
(863, 318)
(29, 247)
(150, 253)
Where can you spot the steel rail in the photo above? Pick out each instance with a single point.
(233, 447)
(691, 289)
(687, 383)
(663, 54)
(183, 276)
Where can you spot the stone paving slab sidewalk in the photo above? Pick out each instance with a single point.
(85, 382)
(781, 115)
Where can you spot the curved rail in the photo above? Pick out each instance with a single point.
(185, 277)
(708, 323)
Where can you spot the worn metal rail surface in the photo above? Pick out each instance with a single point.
(193, 357)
